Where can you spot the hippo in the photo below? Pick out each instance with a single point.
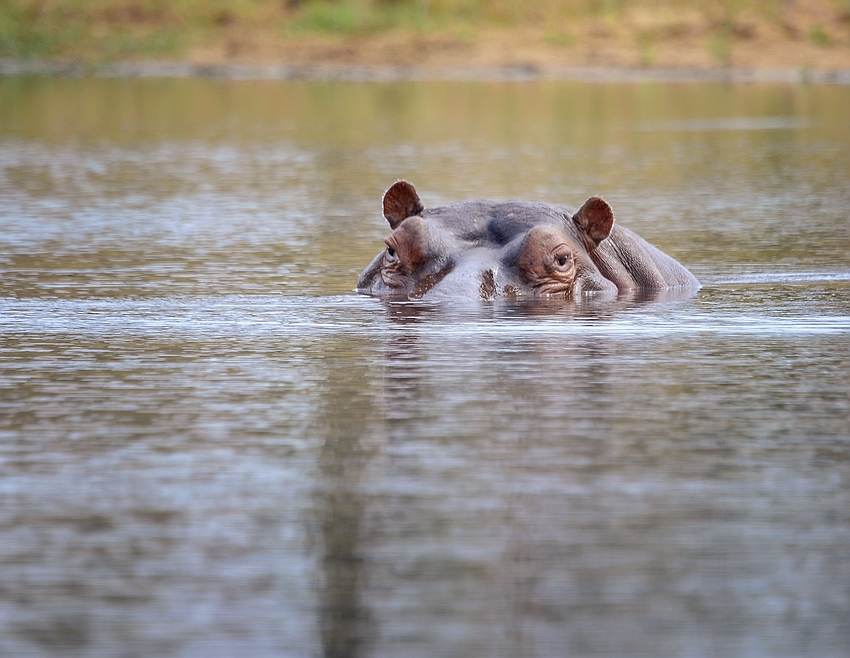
(490, 249)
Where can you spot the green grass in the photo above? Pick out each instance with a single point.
(720, 47)
(645, 40)
(103, 29)
(819, 37)
(328, 17)
(23, 35)
(564, 38)
(95, 30)
(339, 17)
(124, 45)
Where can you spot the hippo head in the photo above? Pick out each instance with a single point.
(487, 249)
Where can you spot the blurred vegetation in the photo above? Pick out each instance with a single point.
(103, 30)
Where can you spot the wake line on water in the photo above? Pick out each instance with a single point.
(780, 278)
(243, 317)
(617, 329)
(239, 326)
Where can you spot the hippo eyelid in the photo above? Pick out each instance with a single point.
(562, 255)
(391, 250)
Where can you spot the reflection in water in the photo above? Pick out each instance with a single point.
(480, 479)
(346, 422)
(503, 542)
(579, 506)
(210, 446)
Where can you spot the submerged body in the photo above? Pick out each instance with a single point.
(489, 249)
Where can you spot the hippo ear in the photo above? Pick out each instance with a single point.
(401, 202)
(594, 219)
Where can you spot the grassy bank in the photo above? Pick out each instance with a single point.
(771, 33)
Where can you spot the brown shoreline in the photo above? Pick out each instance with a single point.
(378, 73)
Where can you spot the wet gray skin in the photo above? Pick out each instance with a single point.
(489, 249)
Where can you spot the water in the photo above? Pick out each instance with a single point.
(210, 446)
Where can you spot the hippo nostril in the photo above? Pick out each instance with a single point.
(487, 289)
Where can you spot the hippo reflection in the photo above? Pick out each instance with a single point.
(488, 249)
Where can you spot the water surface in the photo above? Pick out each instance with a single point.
(210, 446)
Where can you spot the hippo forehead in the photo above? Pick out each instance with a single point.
(496, 223)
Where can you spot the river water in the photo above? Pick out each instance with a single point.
(211, 446)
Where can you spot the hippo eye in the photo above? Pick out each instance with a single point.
(395, 248)
(563, 260)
